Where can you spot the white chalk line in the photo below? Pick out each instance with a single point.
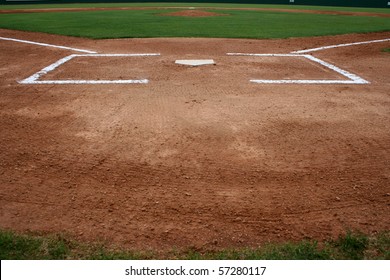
(352, 78)
(265, 54)
(78, 82)
(46, 45)
(306, 82)
(34, 79)
(339, 46)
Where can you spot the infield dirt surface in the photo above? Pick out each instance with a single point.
(199, 157)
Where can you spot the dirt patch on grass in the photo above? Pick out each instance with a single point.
(193, 13)
(199, 157)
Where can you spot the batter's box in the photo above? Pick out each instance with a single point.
(36, 78)
(351, 78)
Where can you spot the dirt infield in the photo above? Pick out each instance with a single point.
(199, 157)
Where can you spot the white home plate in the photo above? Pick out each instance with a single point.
(195, 62)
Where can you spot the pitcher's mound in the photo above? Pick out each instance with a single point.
(193, 13)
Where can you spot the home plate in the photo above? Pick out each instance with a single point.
(195, 62)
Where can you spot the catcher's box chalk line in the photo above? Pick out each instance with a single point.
(34, 79)
(352, 78)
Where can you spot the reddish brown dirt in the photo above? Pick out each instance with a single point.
(199, 157)
(54, 10)
(193, 13)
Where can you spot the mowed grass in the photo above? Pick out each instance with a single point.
(181, 4)
(352, 246)
(150, 23)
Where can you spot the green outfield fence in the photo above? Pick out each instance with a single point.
(342, 3)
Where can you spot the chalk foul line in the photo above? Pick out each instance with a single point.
(46, 45)
(339, 46)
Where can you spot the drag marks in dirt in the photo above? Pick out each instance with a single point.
(198, 157)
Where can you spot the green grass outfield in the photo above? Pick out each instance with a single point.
(149, 23)
(352, 246)
(157, 4)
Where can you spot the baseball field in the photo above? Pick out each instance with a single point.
(283, 139)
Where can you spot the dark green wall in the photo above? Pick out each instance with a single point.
(346, 3)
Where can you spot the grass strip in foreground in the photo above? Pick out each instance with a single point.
(352, 246)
